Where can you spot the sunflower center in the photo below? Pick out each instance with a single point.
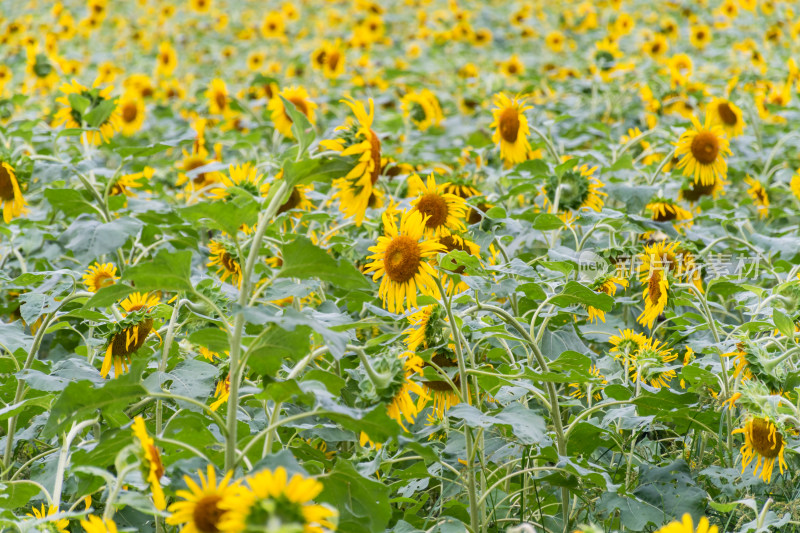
(156, 459)
(293, 201)
(221, 100)
(376, 156)
(705, 147)
(764, 442)
(443, 362)
(206, 514)
(229, 262)
(129, 112)
(666, 214)
(654, 287)
(434, 206)
(509, 125)
(333, 60)
(300, 104)
(103, 279)
(6, 185)
(193, 164)
(726, 114)
(402, 259)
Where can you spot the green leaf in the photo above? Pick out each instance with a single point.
(301, 127)
(227, 216)
(100, 114)
(634, 514)
(109, 295)
(168, 271)
(304, 260)
(70, 201)
(78, 103)
(13, 338)
(547, 221)
(17, 494)
(363, 503)
(783, 323)
(537, 167)
(214, 339)
(576, 293)
(88, 239)
(321, 169)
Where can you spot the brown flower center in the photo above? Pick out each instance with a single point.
(129, 112)
(293, 201)
(509, 124)
(402, 259)
(376, 156)
(760, 438)
(229, 263)
(726, 114)
(435, 206)
(119, 348)
(104, 280)
(333, 60)
(442, 362)
(221, 100)
(6, 186)
(193, 164)
(665, 215)
(206, 514)
(157, 461)
(705, 147)
(654, 287)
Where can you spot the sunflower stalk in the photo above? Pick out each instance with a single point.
(64, 455)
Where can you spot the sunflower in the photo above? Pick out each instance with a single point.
(229, 266)
(280, 117)
(700, 36)
(95, 524)
(355, 189)
(401, 259)
(274, 502)
(680, 67)
(457, 242)
(649, 364)
(422, 108)
(330, 58)
(126, 337)
(606, 284)
(200, 6)
(581, 390)
(693, 191)
(153, 469)
(666, 210)
(98, 276)
(444, 213)
(655, 295)
(199, 157)
(273, 26)
(702, 150)
(440, 392)
(555, 41)
(60, 525)
(759, 195)
(728, 115)
(222, 392)
(137, 301)
(578, 189)
(244, 176)
(131, 108)
(656, 46)
(166, 60)
(218, 99)
(10, 194)
(401, 406)
(762, 439)
(511, 128)
(131, 181)
(199, 511)
(513, 66)
(88, 108)
(423, 327)
(687, 526)
(626, 345)
(794, 184)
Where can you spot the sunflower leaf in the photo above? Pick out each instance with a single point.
(301, 127)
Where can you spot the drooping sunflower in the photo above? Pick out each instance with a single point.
(686, 525)
(199, 157)
(275, 502)
(655, 295)
(131, 112)
(422, 108)
(95, 524)
(759, 195)
(355, 189)
(10, 194)
(128, 335)
(88, 108)
(229, 266)
(98, 276)
(280, 117)
(59, 525)
(444, 212)
(702, 150)
(693, 191)
(199, 510)
(649, 364)
(218, 99)
(222, 392)
(764, 440)
(728, 115)
(424, 327)
(401, 258)
(606, 284)
(440, 391)
(667, 210)
(511, 128)
(401, 406)
(582, 390)
(152, 468)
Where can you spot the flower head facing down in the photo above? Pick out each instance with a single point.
(762, 440)
(152, 467)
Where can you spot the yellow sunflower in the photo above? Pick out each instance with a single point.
(728, 115)
(218, 100)
(199, 510)
(625, 345)
(578, 189)
(10, 194)
(444, 212)
(759, 195)
(650, 361)
(95, 524)
(275, 502)
(151, 462)
(132, 112)
(330, 58)
(608, 285)
(511, 128)
(166, 60)
(229, 266)
(280, 117)
(199, 157)
(355, 189)
(700, 36)
(125, 183)
(440, 392)
(126, 340)
(686, 525)
(244, 176)
(422, 108)
(655, 295)
(666, 210)
(794, 184)
(702, 150)
(98, 276)
(222, 392)
(273, 26)
(458, 242)
(402, 408)
(764, 440)
(60, 525)
(88, 108)
(136, 301)
(422, 322)
(401, 259)
(581, 390)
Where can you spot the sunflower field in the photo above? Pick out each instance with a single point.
(408, 266)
